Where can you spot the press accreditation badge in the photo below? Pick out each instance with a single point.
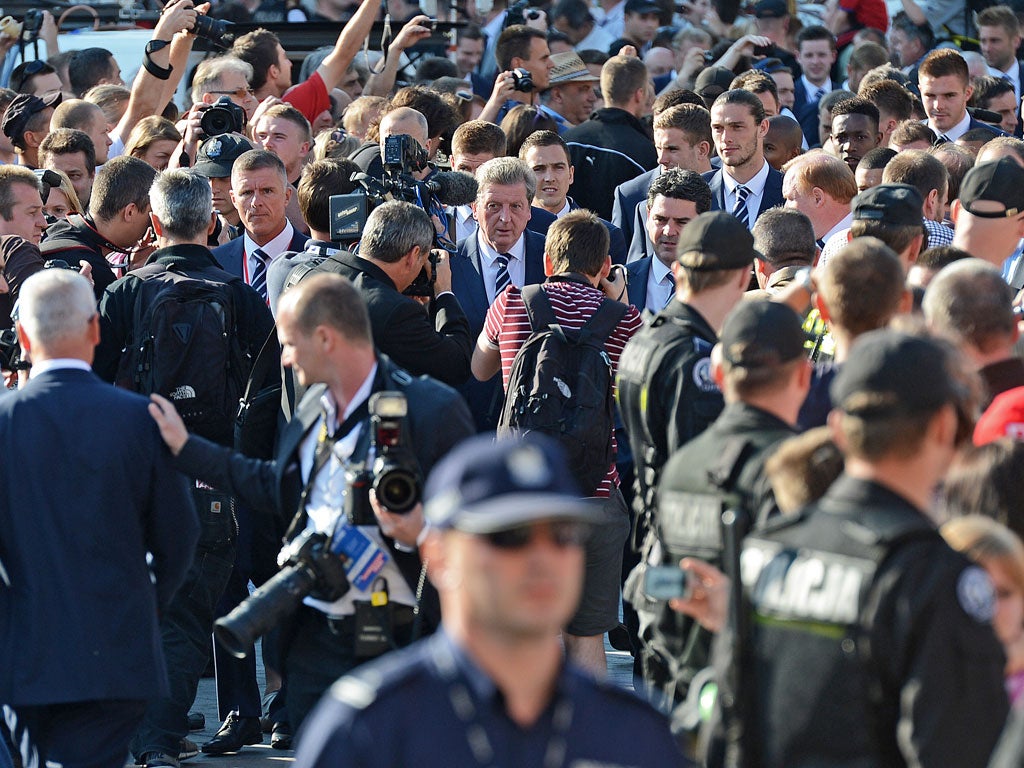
(365, 559)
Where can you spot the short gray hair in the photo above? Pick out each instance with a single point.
(183, 202)
(209, 73)
(394, 229)
(54, 304)
(507, 172)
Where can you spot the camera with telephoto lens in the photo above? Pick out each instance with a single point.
(223, 117)
(217, 31)
(309, 568)
(522, 80)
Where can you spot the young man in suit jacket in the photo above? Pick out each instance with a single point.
(325, 334)
(945, 84)
(500, 253)
(260, 192)
(746, 184)
(79, 604)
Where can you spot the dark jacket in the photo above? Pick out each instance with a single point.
(89, 489)
(611, 147)
(626, 197)
(230, 255)
(75, 239)
(770, 198)
(252, 317)
(438, 419)
(438, 344)
(616, 242)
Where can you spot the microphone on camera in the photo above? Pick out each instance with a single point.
(452, 187)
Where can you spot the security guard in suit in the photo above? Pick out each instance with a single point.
(326, 339)
(760, 365)
(865, 639)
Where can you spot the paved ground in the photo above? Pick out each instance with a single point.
(620, 669)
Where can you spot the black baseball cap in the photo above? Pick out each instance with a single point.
(999, 181)
(771, 9)
(895, 204)
(715, 241)
(761, 333)
(888, 372)
(642, 6)
(217, 154)
(21, 110)
(713, 76)
(485, 485)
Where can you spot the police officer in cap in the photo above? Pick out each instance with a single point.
(760, 365)
(870, 640)
(505, 550)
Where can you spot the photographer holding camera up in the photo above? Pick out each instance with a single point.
(326, 338)
(523, 56)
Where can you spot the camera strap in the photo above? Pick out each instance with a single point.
(325, 447)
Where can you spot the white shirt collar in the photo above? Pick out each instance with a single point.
(330, 405)
(59, 363)
(275, 247)
(956, 131)
(810, 88)
(517, 251)
(844, 223)
(658, 269)
(755, 186)
(1012, 72)
(565, 209)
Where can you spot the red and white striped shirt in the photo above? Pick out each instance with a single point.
(507, 328)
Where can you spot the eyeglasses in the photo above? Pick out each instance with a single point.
(33, 68)
(561, 533)
(241, 93)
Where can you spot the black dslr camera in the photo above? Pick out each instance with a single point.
(32, 23)
(10, 347)
(310, 568)
(522, 80)
(395, 474)
(224, 116)
(217, 31)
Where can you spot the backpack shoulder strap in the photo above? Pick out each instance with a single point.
(538, 307)
(603, 322)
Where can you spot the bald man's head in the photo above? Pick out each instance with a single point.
(404, 120)
(783, 141)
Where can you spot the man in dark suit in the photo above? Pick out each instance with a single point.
(945, 84)
(676, 197)
(500, 253)
(548, 157)
(392, 253)
(78, 602)
(746, 184)
(326, 338)
(816, 53)
(260, 192)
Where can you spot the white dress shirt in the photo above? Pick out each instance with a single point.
(811, 89)
(956, 131)
(660, 285)
(1012, 74)
(489, 265)
(272, 249)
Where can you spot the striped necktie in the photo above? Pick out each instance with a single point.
(258, 278)
(740, 209)
(502, 280)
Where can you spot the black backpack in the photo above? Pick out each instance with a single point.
(561, 384)
(184, 346)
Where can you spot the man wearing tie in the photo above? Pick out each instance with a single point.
(260, 192)
(674, 199)
(816, 53)
(999, 35)
(945, 90)
(501, 252)
(745, 185)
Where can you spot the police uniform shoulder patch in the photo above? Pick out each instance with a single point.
(975, 594)
(702, 375)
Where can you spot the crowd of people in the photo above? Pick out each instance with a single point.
(690, 328)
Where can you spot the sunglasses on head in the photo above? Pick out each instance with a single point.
(31, 69)
(562, 533)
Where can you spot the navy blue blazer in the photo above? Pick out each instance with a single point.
(230, 255)
(806, 114)
(637, 274)
(91, 491)
(770, 198)
(978, 124)
(627, 195)
(485, 397)
(540, 223)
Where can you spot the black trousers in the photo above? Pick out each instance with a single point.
(84, 734)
